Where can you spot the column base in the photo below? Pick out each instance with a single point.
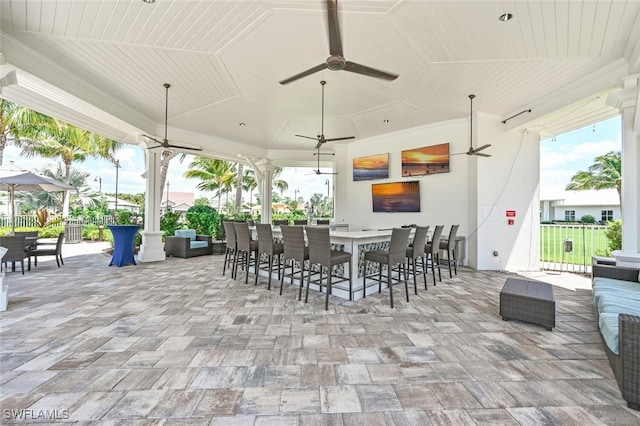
(629, 260)
(152, 248)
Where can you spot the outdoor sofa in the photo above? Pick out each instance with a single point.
(185, 243)
(616, 296)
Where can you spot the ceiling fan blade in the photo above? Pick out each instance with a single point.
(186, 148)
(306, 137)
(481, 148)
(153, 139)
(481, 154)
(320, 142)
(371, 72)
(335, 41)
(305, 73)
(340, 139)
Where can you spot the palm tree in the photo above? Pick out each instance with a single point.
(70, 144)
(214, 175)
(239, 185)
(17, 124)
(249, 183)
(604, 173)
(55, 200)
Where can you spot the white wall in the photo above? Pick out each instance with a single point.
(475, 194)
(443, 196)
(595, 211)
(509, 180)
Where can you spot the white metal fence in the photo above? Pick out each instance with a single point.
(570, 247)
(30, 221)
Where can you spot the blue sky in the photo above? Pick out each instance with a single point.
(559, 160)
(575, 151)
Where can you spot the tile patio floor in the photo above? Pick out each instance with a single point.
(177, 343)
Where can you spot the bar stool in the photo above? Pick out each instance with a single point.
(416, 251)
(394, 256)
(245, 247)
(450, 246)
(300, 222)
(295, 251)
(432, 248)
(267, 246)
(320, 253)
(231, 252)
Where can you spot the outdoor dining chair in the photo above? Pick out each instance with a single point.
(395, 255)
(416, 251)
(17, 251)
(433, 258)
(231, 252)
(296, 252)
(450, 246)
(270, 248)
(247, 249)
(49, 250)
(320, 253)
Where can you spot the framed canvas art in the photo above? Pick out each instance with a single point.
(371, 167)
(426, 160)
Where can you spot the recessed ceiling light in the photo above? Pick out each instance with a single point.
(385, 120)
(149, 1)
(242, 124)
(505, 17)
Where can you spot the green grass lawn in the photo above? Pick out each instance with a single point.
(587, 241)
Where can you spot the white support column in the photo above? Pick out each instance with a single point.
(627, 100)
(264, 178)
(152, 248)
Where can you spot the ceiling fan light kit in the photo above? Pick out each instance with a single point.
(336, 60)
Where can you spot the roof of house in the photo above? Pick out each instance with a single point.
(588, 197)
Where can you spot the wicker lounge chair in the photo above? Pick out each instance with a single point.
(626, 363)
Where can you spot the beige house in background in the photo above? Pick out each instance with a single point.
(177, 201)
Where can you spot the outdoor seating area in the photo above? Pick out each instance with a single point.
(205, 348)
(616, 297)
(185, 243)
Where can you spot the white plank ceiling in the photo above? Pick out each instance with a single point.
(224, 59)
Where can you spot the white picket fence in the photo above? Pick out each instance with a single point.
(31, 221)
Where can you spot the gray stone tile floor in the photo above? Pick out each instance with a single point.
(176, 343)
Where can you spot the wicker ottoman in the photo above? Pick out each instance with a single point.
(529, 301)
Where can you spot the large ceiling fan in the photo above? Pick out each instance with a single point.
(336, 61)
(320, 138)
(472, 150)
(164, 143)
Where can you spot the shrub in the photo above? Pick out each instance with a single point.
(614, 235)
(169, 222)
(204, 219)
(587, 218)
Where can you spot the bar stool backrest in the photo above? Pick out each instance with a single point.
(452, 236)
(265, 238)
(242, 235)
(319, 246)
(419, 241)
(435, 241)
(293, 239)
(398, 245)
(230, 232)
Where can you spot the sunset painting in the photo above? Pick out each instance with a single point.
(371, 167)
(396, 196)
(426, 161)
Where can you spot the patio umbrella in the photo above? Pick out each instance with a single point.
(13, 179)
